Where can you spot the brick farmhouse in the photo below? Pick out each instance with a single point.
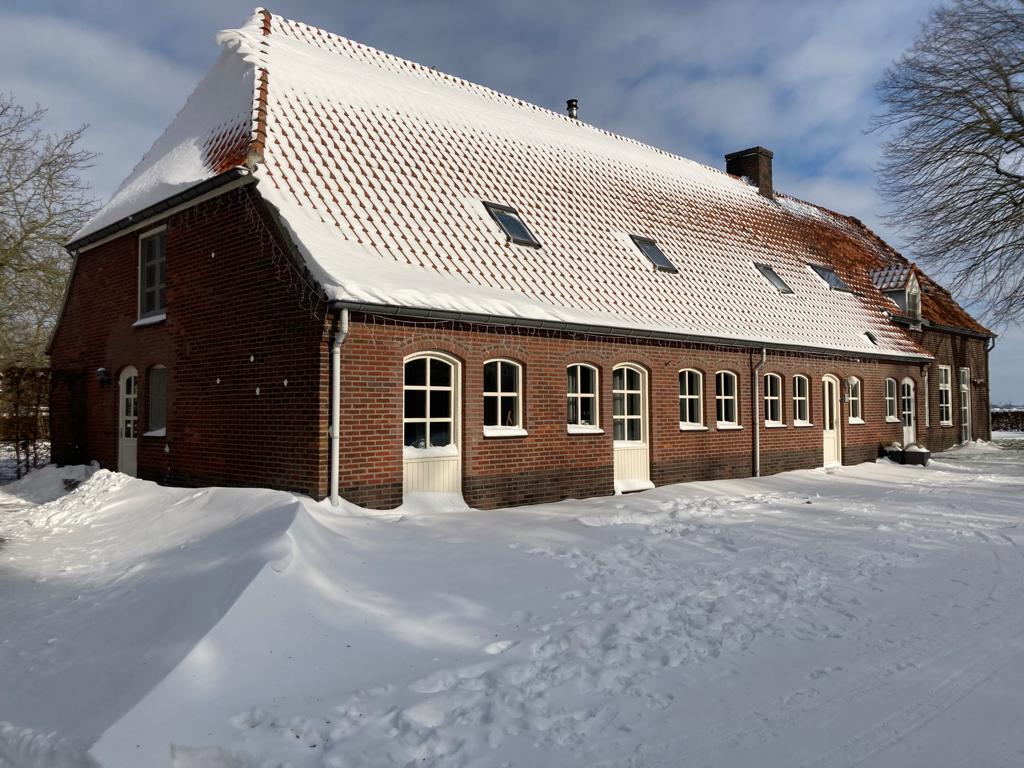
(344, 274)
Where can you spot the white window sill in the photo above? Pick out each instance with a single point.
(803, 424)
(434, 452)
(684, 427)
(505, 432)
(774, 425)
(156, 433)
(151, 320)
(945, 423)
(892, 420)
(583, 429)
(629, 443)
(724, 426)
(857, 421)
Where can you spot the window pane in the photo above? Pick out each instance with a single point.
(573, 383)
(619, 378)
(512, 225)
(632, 379)
(440, 433)
(491, 411)
(587, 379)
(161, 302)
(509, 377)
(416, 435)
(415, 403)
(509, 414)
(633, 429)
(730, 410)
(619, 430)
(618, 402)
(572, 413)
(633, 404)
(440, 403)
(440, 373)
(587, 411)
(490, 377)
(416, 372)
(694, 411)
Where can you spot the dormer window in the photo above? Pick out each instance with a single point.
(772, 277)
(512, 225)
(650, 249)
(831, 278)
(914, 299)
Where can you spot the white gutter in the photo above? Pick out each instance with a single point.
(335, 430)
(757, 411)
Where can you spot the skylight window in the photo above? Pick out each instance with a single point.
(513, 226)
(772, 277)
(832, 280)
(651, 250)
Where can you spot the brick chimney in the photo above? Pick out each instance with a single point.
(754, 163)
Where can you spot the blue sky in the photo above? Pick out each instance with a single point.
(697, 78)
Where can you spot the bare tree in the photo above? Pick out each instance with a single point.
(43, 202)
(953, 164)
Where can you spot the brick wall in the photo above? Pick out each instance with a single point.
(549, 464)
(957, 352)
(235, 323)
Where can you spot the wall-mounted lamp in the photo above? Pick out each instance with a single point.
(103, 376)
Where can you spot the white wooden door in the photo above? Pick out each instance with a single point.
(128, 421)
(907, 412)
(831, 428)
(432, 460)
(965, 406)
(630, 429)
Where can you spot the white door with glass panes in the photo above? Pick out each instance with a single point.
(965, 405)
(128, 421)
(630, 429)
(432, 461)
(907, 415)
(831, 429)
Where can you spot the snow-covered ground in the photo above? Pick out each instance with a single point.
(872, 615)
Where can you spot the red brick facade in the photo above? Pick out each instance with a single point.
(240, 325)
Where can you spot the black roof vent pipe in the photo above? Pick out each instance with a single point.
(571, 106)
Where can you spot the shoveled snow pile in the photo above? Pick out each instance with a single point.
(869, 615)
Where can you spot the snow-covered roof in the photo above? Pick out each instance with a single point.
(379, 168)
(893, 277)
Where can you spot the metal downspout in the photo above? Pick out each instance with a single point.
(335, 430)
(757, 411)
(988, 385)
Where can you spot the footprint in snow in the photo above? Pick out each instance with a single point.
(500, 646)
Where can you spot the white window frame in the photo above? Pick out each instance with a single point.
(628, 415)
(687, 395)
(428, 387)
(892, 412)
(855, 400)
(504, 430)
(773, 400)
(801, 401)
(160, 312)
(722, 401)
(945, 388)
(155, 431)
(577, 427)
(913, 306)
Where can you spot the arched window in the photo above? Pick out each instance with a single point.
(581, 398)
(773, 399)
(691, 399)
(856, 412)
(801, 401)
(726, 399)
(429, 402)
(157, 401)
(503, 400)
(891, 413)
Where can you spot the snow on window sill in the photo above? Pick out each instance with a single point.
(723, 426)
(945, 423)
(775, 425)
(505, 432)
(685, 427)
(156, 433)
(857, 421)
(629, 443)
(583, 429)
(434, 452)
(892, 419)
(630, 486)
(803, 424)
(151, 320)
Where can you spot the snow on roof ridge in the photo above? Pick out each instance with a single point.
(496, 95)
